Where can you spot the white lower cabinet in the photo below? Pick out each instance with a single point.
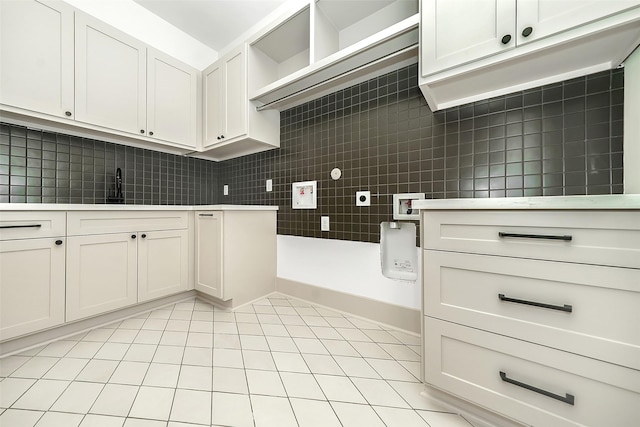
(117, 259)
(533, 313)
(209, 253)
(163, 262)
(101, 274)
(235, 254)
(32, 280)
(536, 385)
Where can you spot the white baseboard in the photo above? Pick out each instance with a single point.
(26, 342)
(397, 316)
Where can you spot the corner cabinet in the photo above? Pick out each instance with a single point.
(32, 273)
(476, 50)
(36, 70)
(532, 313)
(172, 99)
(235, 254)
(232, 125)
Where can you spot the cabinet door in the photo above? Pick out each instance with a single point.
(172, 99)
(101, 274)
(209, 241)
(31, 286)
(236, 98)
(213, 104)
(547, 17)
(163, 262)
(110, 77)
(455, 32)
(36, 70)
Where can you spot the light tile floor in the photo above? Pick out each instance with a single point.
(278, 362)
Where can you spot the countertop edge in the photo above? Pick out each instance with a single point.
(95, 207)
(600, 202)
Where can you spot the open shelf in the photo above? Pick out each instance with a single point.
(377, 54)
(282, 51)
(339, 24)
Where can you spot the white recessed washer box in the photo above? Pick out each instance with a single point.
(304, 195)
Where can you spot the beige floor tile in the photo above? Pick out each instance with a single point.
(269, 411)
(230, 380)
(354, 415)
(78, 397)
(314, 413)
(152, 403)
(115, 399)
(231, 410)
(303, 386)
(339, 389)
(191, 406)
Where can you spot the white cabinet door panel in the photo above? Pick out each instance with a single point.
(209, 246)
(236, 94)
(213, 105)
(163, 262)
(101, 274)
(110, 77)
(36, 66)
(455, 32)
(547, 17)
(172, 98)
(32, 286)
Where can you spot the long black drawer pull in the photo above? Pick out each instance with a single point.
(568, 308)
(568, 398)
(566, 238)
(206, 214)
(22, 226)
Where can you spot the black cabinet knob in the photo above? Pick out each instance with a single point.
(67, 113)
(506, 39)
(218, 137)
(221, 136)
(143, 236)
(527, 32)
(58, 242)
(150, 133)
(141, 130)
(133, 236)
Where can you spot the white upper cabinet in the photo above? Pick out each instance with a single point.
(110, 77)
(541, 18)
(459, 31)
(473, 50)
(172, 95)
(36, 67)
(232, 125)
(225, 86)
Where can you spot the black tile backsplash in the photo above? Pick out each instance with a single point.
(560, 139)
(43, 167)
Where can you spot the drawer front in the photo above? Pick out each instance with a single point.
(103, 222)
(597, 237)
(585, 309)
(31, 225)
(539, 382)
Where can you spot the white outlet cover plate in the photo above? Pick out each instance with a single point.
(225, 190)
(324, 223)
(269, 185)
(367, 200)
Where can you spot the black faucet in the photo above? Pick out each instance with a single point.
(117, 197)
(119, 183)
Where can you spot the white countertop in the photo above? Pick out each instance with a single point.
(115, 207)
(613, 201)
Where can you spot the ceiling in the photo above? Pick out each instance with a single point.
(216, 23)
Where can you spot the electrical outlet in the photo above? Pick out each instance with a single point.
(269, 185)
(363, 198)
(324, 223)
(225, 190)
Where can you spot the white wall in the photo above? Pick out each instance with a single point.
(344, 266)
(632, 124)
(135, 20)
